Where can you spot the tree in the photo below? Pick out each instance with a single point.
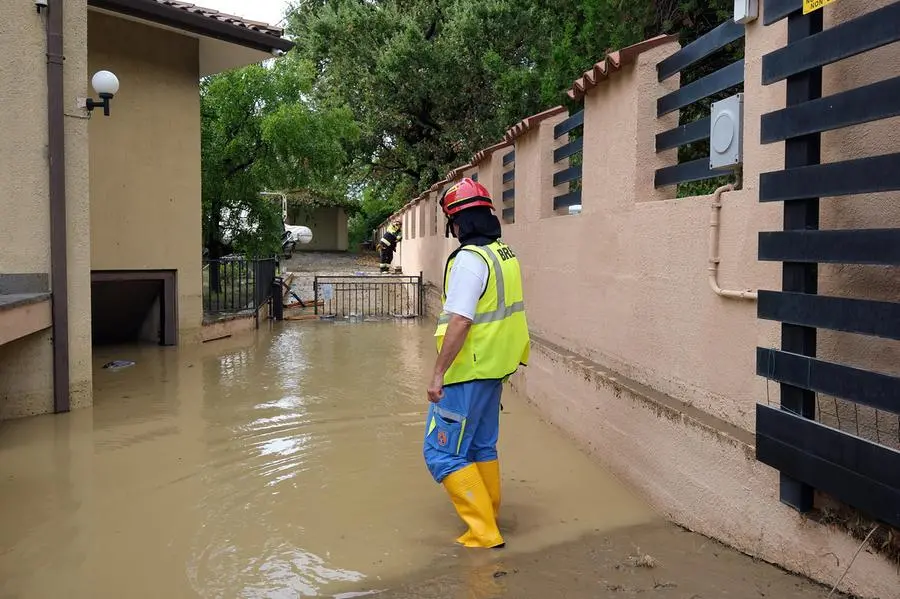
(262, 129)
(432, 81)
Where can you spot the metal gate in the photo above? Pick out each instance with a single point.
(374, 296)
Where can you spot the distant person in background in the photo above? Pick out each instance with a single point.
(388, 245)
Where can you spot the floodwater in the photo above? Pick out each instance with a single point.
(287, 463)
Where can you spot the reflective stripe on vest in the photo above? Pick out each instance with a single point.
(502, 310)
(497, 342)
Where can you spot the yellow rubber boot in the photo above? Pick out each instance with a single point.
(490, 474)
(473, 504)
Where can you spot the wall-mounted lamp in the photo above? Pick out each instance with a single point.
(40, 4)
(106, 85)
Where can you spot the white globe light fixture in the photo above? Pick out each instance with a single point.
(300, 234)
(304, 235)
(106, 84)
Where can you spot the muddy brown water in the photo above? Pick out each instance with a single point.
(287, 463)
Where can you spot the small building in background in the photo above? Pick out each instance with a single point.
(326, 217)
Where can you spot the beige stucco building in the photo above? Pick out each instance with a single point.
(327, 223)
(96, 210)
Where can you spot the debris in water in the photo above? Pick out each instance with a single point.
(641, 560)
(304, 317)
(118, 365)
(499, 574)
(664, 585)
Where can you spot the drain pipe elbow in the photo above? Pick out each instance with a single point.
(713, 268)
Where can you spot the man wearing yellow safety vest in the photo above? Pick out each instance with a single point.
(482, 338)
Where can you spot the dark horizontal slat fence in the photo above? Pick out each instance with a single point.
(574, 127)
(683, 134)
(776, 10)
(721, 36)
(861, 105)
(874, 389)
(508, 211)
(697, 131)
(849, 246)
(861, 472)
(864, 475)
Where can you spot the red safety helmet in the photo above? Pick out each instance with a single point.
(467, 193)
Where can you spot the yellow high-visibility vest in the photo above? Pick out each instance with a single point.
(391, 236)
(498, 340)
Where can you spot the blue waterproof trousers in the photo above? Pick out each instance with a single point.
(463, 427)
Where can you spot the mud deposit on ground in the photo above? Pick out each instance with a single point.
(650, 561)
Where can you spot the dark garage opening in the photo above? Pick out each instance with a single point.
(132, 307)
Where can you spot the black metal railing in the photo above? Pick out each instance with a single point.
(369, 296)
(509, 187)
(232, 285)
(570, 154)
(854, 459)
(701, 85)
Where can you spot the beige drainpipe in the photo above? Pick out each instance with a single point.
(713, 268)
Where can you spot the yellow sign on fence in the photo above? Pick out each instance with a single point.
(812, 5)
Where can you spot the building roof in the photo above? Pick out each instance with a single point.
(308, 197)
(224, 17)
(201, 21)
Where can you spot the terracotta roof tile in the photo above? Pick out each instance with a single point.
(526, 124)
(488, 151)
(613, 62)
(225, 18)
(458, 171)
(438, 185)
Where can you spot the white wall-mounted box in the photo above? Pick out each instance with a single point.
(726, 132)
(746, 11)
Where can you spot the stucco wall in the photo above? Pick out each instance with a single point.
(623, 288)
(328, 225)
(145, 159)
(26, 385)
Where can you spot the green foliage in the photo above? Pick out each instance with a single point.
(432, 81)
(374, 208)
(262, 129)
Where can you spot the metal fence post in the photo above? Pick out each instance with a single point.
(420, 309)
(316, 294)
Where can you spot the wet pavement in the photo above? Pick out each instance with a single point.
(332, 262)
(287, 463)
(304, 266)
